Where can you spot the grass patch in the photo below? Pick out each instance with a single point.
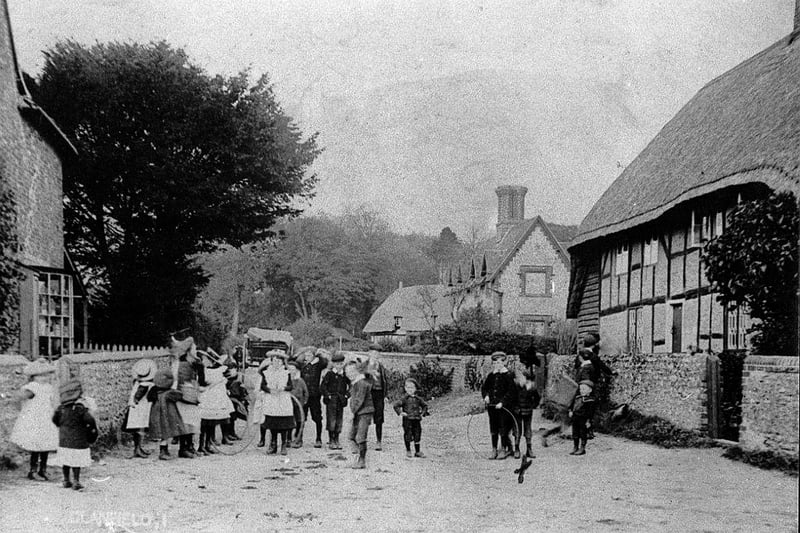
(653, 430)
(764, 459)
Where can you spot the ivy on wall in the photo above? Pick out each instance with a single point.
(10, 274)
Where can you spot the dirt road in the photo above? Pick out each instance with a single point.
(618, 486)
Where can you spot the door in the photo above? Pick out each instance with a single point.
(677, 328)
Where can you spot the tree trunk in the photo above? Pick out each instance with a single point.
(237, 303)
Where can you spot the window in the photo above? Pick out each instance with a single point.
(705, 227)
(537, 281)
(398, 322)
(55, 314)
(738, 323)
(621, 260)
(651, 251)
(538, 325)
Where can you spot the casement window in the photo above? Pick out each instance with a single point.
(55, 314)
(621, 260)
(650, 251)
(537, 281)
(705, 227)
(398, 322)
(738, 323)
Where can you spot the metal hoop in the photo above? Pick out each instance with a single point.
(469, 423)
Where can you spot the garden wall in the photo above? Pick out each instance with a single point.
(105, 376)
(770, 407)
(669, 386)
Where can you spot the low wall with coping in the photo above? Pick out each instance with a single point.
(105, 376)
(770, 407)
(669, 386)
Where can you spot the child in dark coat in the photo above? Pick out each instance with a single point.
(311, 372)
(362, 408)
(412, 408)
(527, 401)
(300, 392)
(498, 393)
(582, 407)
(238, 395)
(334, 389)
(77, 430)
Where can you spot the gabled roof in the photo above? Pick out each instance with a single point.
(413, 304)
(498, 256)
(742, 127)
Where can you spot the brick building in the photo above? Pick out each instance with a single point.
(32, 151)
(522, 278)
(637, 273)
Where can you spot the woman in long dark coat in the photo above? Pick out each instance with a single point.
(165, 420)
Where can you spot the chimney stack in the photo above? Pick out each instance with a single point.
(511, 206)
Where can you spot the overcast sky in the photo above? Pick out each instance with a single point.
(424, 107)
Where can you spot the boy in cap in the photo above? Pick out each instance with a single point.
(311, 372)
(334, 390)
(582, 407)
(362, 408)
(412, 408)
(498, 393)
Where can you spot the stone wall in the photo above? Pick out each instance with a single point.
(770, 404)
(669, 386)
(105, 376)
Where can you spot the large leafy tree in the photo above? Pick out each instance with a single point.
(754, 264)
(172, 162)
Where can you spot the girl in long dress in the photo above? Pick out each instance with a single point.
(276, 402)
(34, 430)
(139, 406)
(215, 405)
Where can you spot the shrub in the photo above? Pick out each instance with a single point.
(452, 339)
(434, 381)
(653, 430)
(764, 459)
(473, 380)
(395, 381)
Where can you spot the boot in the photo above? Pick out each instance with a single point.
(318, 441)
(493, 455)
(528, 449)
(201, 444)
(575, 447)
(331, 441)
(184, 452)
(42, 473)
(273, 445)
(163, 453)
(284, 444)
(190, 445)
(582, 449)
(263, 441)
(362, 456)
(137, 446)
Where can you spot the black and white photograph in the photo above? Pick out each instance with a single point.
(399, 266)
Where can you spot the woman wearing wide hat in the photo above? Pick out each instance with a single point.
(138, 415)
(189, 375)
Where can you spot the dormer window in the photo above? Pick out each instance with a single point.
(397, 322)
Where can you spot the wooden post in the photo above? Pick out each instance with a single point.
(713, 395)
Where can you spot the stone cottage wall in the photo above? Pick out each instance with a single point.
(670, 386)
(770, 407)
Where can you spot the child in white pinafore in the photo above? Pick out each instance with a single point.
(138, 420)
(34, 430)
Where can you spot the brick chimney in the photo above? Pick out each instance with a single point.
(511, 206)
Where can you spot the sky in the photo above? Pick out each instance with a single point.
(425, 107)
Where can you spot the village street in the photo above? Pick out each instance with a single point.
(619, 486)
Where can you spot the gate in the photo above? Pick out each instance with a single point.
(724, 381)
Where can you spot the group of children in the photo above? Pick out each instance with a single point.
(200, 390)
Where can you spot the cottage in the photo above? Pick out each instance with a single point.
(522, 278)
(637, 273)
(32, 151)
(408, 313)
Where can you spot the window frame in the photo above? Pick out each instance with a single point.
(536, 269)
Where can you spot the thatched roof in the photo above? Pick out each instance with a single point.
(416, 305)
(742, 127)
